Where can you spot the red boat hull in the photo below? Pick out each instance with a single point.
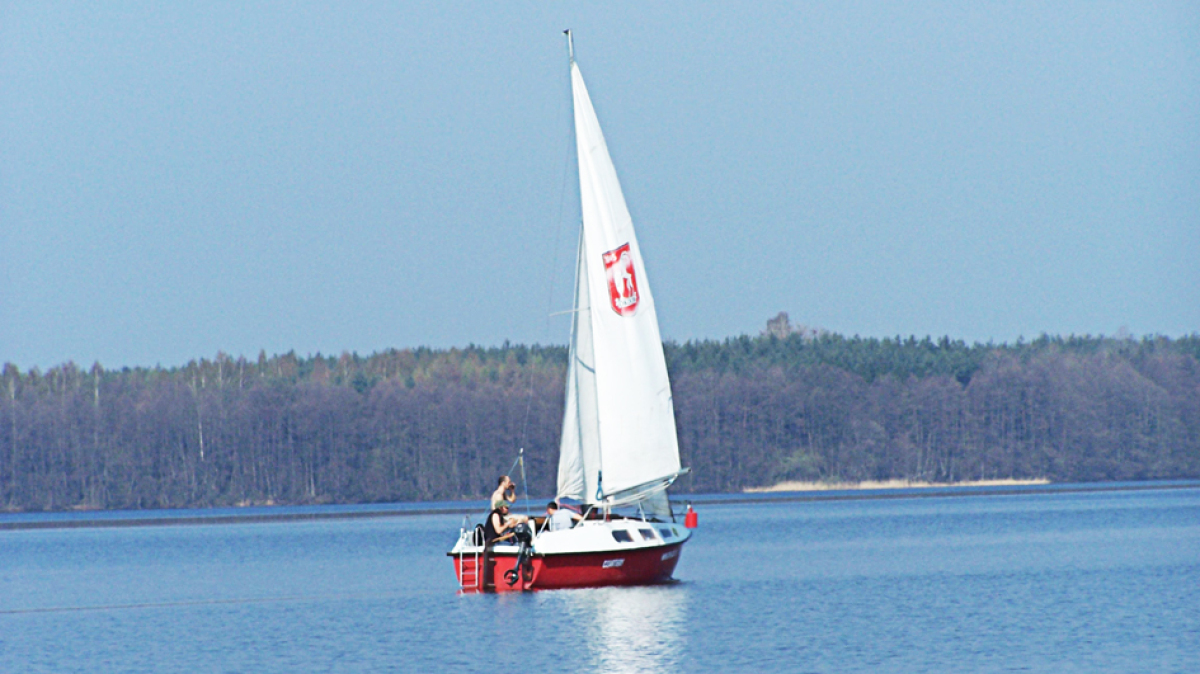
(643, 566)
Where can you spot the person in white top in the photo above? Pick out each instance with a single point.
(560, 518)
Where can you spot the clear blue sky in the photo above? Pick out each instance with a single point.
(178, 179)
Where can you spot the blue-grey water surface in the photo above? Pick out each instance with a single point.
(1043, 582)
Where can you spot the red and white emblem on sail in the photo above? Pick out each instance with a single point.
(622, 281)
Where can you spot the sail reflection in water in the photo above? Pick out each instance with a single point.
(628, 629)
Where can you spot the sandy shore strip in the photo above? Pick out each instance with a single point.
(889, 484)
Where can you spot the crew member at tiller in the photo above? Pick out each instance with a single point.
(500, 524)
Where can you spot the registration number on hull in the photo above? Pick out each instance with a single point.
(613, 563)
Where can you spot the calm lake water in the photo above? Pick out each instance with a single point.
(1045, 582)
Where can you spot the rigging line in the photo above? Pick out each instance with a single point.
(556, 224)
(519, 462)
(513, 468)
(524, 480)
(556, 227)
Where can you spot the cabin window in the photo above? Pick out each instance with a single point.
(622, 536)
(666, 533)
(647, 534)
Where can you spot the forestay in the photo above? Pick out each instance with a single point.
(619, 423)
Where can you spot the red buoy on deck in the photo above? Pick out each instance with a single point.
(691, 520)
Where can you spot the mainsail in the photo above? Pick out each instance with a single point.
(619, 422)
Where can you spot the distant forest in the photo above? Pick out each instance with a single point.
(426, 424)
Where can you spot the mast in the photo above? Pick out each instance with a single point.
(579, 447)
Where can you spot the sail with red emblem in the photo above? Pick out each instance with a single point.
(619, 441)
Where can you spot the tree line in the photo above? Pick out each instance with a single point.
(426, 424)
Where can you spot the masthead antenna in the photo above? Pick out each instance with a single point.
(570, 45)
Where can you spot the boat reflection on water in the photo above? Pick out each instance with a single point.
(629, 629)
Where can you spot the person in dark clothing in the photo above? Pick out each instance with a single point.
(499, 526)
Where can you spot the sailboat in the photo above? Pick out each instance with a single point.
(619, 451)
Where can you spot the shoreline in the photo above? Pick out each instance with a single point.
(764, 495)
(793, 486)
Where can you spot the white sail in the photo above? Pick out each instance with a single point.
(619, 423)
(580, 445)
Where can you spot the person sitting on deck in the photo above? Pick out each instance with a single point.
(560, 518)
(500, 524)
